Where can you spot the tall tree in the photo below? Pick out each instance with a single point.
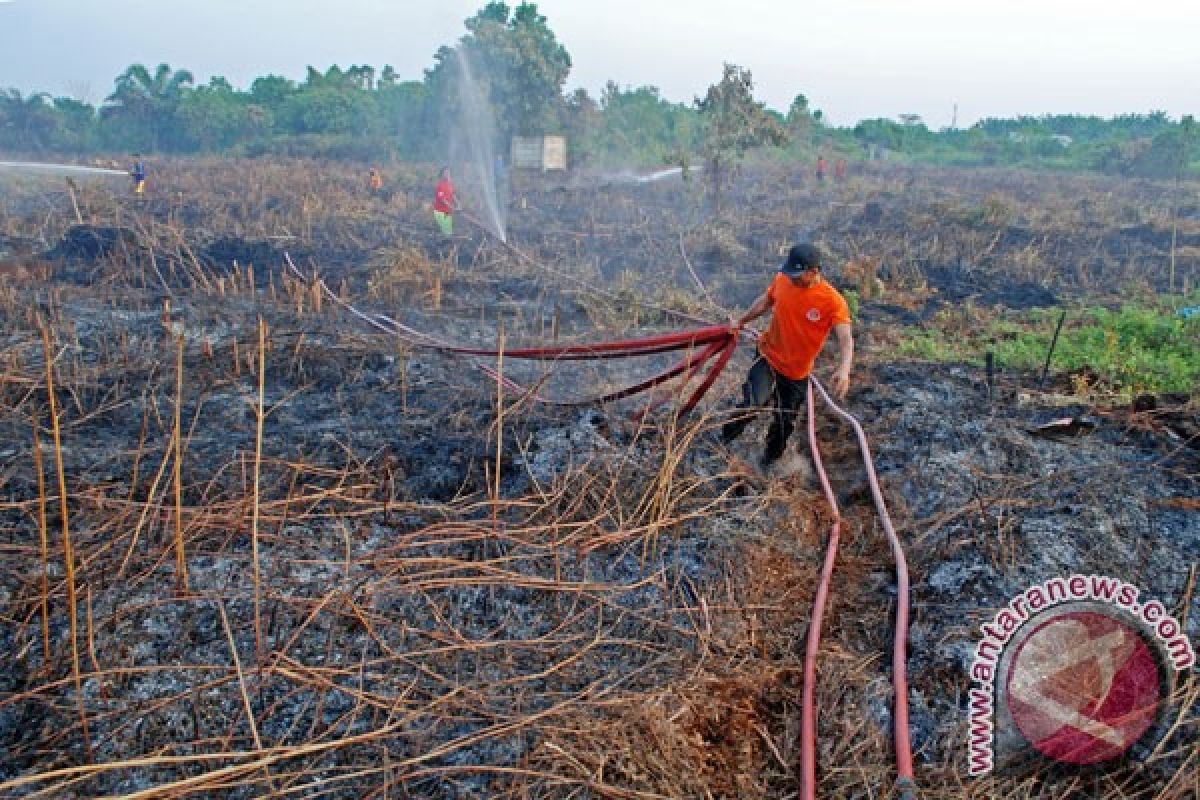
(733, 123)
(215, 117)
(639, 126)
(77, 125)
(401, 106)
(30, 122)
(1170, 151)
(799, 119)
(582, 123)
(147, 103)
(362, 76)
(516, 60)
(271, 91)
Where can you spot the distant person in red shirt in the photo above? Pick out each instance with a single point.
(806, 308)
(821, 167)
(445, 203)
(376, 180)
(839, 170)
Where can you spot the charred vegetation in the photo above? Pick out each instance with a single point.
(306, 558)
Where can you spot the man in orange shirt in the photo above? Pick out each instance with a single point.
(806, 308)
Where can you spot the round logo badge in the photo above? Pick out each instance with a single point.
(1082, 685)
(813, 315)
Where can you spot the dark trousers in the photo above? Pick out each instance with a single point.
(766, 389)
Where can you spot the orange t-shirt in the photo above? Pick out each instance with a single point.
(800, 325)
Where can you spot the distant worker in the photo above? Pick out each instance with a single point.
(806, 308)
(445, 203)
(821, 166)
(839, 170)
(138, 174)
(376, 181)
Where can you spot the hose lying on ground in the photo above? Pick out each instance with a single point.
(717, 343)
(714, 343)
(903, 744)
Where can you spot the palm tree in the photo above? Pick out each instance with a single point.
(150, 101)
(362, 76)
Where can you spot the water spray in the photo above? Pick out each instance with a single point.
(473, 146)
(58, 169)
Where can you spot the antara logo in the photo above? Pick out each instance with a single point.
(1077, 670)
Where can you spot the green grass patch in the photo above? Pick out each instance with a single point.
(1137, 348)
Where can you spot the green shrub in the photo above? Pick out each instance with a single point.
(1133, 349)
(852, 300)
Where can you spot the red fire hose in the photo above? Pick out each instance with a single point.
(905, 784)
(715, 345)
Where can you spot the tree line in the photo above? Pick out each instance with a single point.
(521, 69)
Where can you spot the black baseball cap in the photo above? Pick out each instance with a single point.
(801, 258)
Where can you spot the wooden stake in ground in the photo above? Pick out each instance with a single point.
(1050, 353)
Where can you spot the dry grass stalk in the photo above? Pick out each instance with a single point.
(499, 424)
(68, 549)
(147, 508)
(181, 572)
(395, 679)
(260, 415)
(241, 678)
(44, 543)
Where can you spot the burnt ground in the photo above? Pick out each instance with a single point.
(999, 507)
(587, 606)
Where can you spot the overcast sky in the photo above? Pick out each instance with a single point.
(854, 59)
